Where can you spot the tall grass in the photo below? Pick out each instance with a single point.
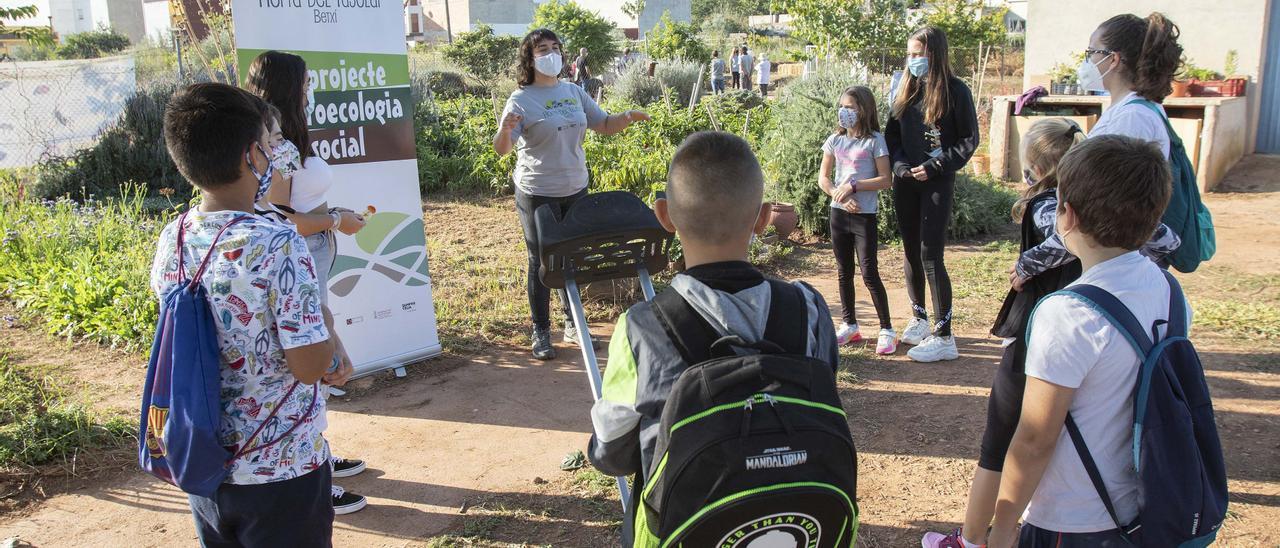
(80, 269)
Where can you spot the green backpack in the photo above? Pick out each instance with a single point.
(1186, 215)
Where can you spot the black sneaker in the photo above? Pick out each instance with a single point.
(346, 503)
(542, 348)
(345, 468)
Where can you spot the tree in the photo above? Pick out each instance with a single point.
(578, 28)
(671, 39)
(739, 10)
(633, 8)
(967, 28)
(864, 30)
(36, 36)
(486, 55)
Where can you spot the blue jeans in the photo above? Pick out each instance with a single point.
(717, 85)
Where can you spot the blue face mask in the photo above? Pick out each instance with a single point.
(918, 66)
(264, 179)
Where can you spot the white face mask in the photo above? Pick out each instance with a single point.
(1089, 77)
(550, 64)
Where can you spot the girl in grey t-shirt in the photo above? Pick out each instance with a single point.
(545, 122)
(855, 167)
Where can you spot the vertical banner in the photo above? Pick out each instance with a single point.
(361, 123)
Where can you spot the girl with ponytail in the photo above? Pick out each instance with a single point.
(1133, 59)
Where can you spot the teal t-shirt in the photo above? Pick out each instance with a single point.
(548, 140)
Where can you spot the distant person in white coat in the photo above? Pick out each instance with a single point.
(763, 72)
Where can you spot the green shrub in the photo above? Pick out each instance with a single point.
(671, 39)
(803, 118)
(38, 426)
(455, 146)
(636, 160)
(635, 86)
(483, 53)
(131, 151)
(679, 76)
(82, 270)
(93, 44)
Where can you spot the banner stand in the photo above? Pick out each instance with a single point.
(360, 120)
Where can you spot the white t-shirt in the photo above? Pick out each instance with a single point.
(1125, 117)
(1073, 345)
(763, 68)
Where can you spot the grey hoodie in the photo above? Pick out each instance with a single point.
(644, 365)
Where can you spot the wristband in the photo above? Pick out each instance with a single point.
(337, 220)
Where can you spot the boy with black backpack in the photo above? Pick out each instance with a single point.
(719, 395)
(1138, 461)
(243, 347)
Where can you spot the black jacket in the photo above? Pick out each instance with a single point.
(909, 143)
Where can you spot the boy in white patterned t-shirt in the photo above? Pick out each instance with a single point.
(265, 301)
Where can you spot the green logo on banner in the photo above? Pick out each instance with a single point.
(398, 246)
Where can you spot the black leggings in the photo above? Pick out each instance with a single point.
(540, 295)
(1004, 406)
(855, 234)
(924, 210)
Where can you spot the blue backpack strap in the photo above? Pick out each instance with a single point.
(1095, 476)
(1177, 308)
(1117, 313)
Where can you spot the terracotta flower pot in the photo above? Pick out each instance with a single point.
(784, 219)
(1181, 88)
(981, 164)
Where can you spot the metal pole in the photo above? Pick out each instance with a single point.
(646, 284)
(589, 360)
(177, 45)
(448, 21)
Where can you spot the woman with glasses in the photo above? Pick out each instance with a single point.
(932, 132)
(1134, 61)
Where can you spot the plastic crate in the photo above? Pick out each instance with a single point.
(1231, 87)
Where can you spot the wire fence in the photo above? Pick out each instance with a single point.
(52, 108)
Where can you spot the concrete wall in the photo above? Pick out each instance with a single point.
(1056, 29)
(612, 10)
(156, 21)
(126, 16)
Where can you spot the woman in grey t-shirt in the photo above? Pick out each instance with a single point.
(545, 122)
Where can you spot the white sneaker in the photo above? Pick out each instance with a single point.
(916, 331)
(848, 334)
(935, 349)
(887, 343)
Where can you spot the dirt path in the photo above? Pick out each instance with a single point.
(487, 433)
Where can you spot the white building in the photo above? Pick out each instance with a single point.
(75, 16)
(436, 20)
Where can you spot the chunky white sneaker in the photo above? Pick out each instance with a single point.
(935, 349)
(848, 334)
(887, 342)
(916, 331)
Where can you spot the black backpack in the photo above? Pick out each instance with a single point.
(752, 447)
